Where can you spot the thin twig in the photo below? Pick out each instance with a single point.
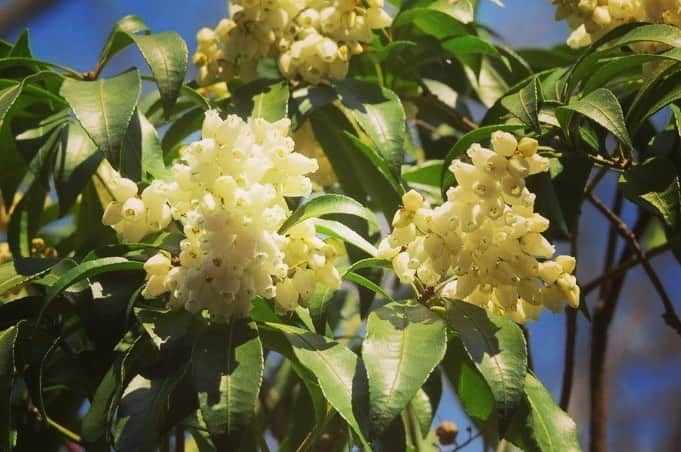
(602, 317)
(526, 333)
(670, 317)
(628, 265)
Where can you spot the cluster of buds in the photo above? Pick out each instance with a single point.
(591, 19)
(133, 216)
(307, 144)
(228, 194)
(311, 40)
(484, 245)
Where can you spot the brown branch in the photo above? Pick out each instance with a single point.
(460, 121)
(602, 317)
(670, 317)
(628, 265)
(16, 13)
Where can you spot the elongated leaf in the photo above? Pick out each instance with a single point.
(541, 425)
(344, 233)
(603, 107)
(91, 268)
(144, 410)
(525, 104)
(358, 177)
(167, 329)
(75, 164)
(227, 368)
(167, 57)
(119, 36)
(340, 373)
(104, 109)
(7, 340)
(380, 114)
(144, 153)
(404, 343)
(7, 98)
(326, 205)
(262, 98)
(656, 186)
(476, 136)
(367, 283)
(497, 347)
(97, 420)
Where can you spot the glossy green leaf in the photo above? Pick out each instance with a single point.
(227, 369)
(541, 426)
(340, 373)
(7, 98)
(262, 98)
(144, 410)
(7, 366)
(524, 104)
(89, 269)
(404, 343)
(76, 163)
(656, 186)
(497, 348)
(339, 231)
(96, 422)
(104, 108)
(603, 107)
(143, 157)
(380, 114)
(328, 204)
(167, 56)
(167, 329)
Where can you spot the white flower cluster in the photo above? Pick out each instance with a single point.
(228, 193)
(307, 144)
(310, 39)
(591, 19)
(484, 244)
(130, 215)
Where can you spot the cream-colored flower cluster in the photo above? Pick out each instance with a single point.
(310, 39)
(307, 144)
(130, 215)
(228, 193)
(484, 245)
(591, 19)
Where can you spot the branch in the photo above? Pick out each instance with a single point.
(669, 315)
(602, 317)
(461, 121)
(627, 265)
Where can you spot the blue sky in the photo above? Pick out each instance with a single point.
(72, 32)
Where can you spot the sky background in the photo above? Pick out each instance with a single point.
(644, 362)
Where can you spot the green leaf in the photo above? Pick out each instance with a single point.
(475, 136)
(7, 367)
(340, 373)
(227, 369)
(497, 347)
(358, 177)
(366, 283)
(143, 158)
(524, 104)
(378, 162)
(659, 33)
(167, 329)
(437, 24)
(76, 163)
(167, 57)
(469, 45)
(10, 278)
(602, 107)
(119, 36)
(404, 343)
(326, 205)
(104, 109)
(262, 98)
(89, 269)
(469, 385)
(339, 231)
(541, 425)
(8, 96)
(96, 422)
(144, 410)
(656, 186)
(380, 114)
